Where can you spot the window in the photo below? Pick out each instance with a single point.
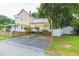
(21, 18)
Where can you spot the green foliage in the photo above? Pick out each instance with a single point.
(8, 28)
(59, 47)
(1, 26)
(60, 14)
(40, 13)
(5, 20)
(27, 28)
(75, 24)
(35, 14)
(37, 28)
(44, 30)
(4, 37)
(76, 28)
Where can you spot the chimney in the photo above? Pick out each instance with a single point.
(30, 12)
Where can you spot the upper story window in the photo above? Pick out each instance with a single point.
(21, 18)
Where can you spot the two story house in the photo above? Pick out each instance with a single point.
(24, 19)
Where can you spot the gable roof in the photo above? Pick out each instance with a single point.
(24, 11)
(35, 20)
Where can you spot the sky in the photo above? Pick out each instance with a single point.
(11, 9)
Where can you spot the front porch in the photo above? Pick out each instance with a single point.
(22, 30)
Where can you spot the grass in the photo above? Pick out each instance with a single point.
(58, 46)
(4, 37)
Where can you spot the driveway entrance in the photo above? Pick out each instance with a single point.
(36, 40)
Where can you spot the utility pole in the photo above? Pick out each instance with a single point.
(30, 31)
(30, 24)
(51, 34)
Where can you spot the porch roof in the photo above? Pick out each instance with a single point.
(42, 20)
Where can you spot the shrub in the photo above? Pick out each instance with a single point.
(27, 29)
(1, 26)
(8, 28)
(37, 28)
(44, 30)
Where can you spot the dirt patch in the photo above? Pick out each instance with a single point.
(67, 46)
(49, 52)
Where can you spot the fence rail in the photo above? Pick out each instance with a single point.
(5, 33)
(13, 34)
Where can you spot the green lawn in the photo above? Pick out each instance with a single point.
(69, 45)
(4, 37)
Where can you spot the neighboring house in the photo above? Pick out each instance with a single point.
(64, 30)
(68, 30)
(24, 19)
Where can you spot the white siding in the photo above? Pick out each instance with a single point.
(65, 30)
(68, 30)
(23, 18)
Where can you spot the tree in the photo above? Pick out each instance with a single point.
(75, 25)
(35, 14)
(60, 14)
(4, 20)
(1, 26)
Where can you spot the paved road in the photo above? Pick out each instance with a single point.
(24, 46)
